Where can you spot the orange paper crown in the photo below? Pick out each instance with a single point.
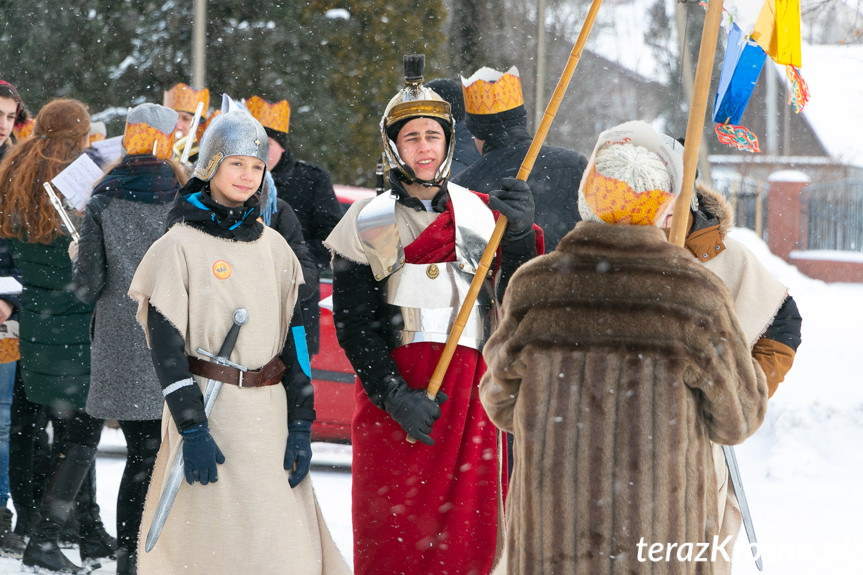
(25, 130)
(142, 137)
(615, 202)
(184, 98)
(491, 92)
(273, 116)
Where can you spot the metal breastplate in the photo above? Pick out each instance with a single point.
(428, 296)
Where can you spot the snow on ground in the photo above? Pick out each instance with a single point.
(801, 470)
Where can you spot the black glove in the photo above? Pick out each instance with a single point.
(515, 201)
(298, 453)
(412, 408)
(200, 454)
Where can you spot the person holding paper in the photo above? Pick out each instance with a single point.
(55, 342)
(125, 215)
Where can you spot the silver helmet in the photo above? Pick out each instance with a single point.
(233, 133)
(416, 101)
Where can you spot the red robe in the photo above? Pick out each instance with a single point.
(419, 509)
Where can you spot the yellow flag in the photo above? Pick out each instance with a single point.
(777, 31)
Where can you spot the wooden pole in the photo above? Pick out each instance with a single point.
(695, 125)
(526, 166)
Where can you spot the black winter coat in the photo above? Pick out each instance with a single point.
(285, 222)
(309, 191)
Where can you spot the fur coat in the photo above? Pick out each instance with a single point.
(617, 361)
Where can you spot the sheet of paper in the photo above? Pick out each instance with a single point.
(111, 149)
(9, 285)
(77, 180)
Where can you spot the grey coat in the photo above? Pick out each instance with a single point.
(115, 235)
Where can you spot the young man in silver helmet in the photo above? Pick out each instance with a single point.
(246, 460)
(402, 263)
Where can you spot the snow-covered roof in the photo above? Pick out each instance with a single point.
(835, 110)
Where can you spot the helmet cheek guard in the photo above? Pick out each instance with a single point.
(416, 101)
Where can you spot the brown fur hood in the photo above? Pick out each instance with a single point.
(712, 201)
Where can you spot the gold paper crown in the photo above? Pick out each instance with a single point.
(273, 116)
(25, 130)
(184, 98)
(142, 137)
(615, 202)
(491, 92)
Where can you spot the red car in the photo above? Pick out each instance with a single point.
(332, 374)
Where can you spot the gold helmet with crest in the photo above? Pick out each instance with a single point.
(416, 101)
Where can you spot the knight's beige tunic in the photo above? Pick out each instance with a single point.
(250, 521)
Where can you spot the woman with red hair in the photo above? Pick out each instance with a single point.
(55, 343)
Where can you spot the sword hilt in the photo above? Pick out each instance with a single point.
(240, 317)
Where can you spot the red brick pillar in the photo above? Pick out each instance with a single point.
(783, 218)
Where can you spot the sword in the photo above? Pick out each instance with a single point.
(737, 482)
(175, 477)
(193, 131)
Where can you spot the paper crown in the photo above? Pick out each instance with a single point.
(24, 130)
(98, 132)
(632, 177)
(150, 130)
(184, 98)
(273, 116)
(491, 92)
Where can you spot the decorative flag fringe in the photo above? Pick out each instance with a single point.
(738, 137)
(798, 95)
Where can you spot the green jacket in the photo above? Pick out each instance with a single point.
(54, 338)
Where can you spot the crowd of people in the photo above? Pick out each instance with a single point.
(597, 376)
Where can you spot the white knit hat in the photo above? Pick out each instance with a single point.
(632, 177)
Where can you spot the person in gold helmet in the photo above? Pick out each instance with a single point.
(402, 262)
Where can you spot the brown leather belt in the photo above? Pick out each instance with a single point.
(270, 374)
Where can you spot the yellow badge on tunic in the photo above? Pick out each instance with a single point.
(222, 269)
(432, 271)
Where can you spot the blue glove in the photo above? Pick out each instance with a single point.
(298, 453)
(200, 455)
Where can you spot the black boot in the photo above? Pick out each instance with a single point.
(57, 504)
(127, 562)
(94, 542)
(11, 544)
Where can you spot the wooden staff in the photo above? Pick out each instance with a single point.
(526, 166)
(695, 125)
